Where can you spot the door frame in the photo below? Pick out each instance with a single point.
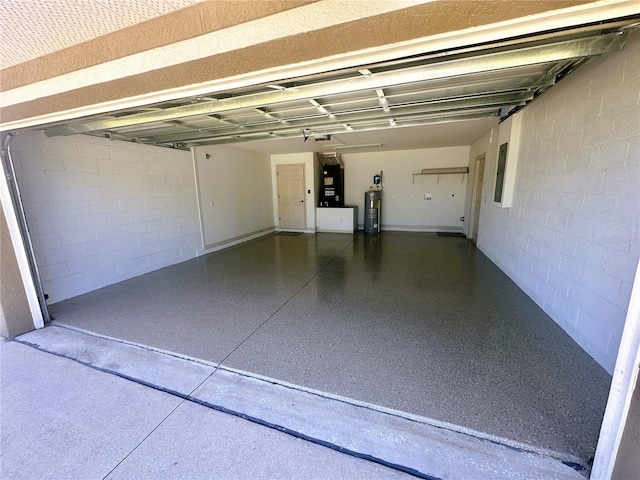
(20, 237)
(476, 191)
(310, 175)
(277, 194)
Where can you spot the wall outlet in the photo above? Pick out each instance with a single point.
(428, 196)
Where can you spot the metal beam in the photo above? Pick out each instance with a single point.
(354, 117)
(338, 128)
(513, 84)
(371, 123)
(526, 56)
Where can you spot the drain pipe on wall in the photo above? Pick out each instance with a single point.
(20, 238)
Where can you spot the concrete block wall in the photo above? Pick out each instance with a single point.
(571, 238)
(102, 211)
(404, 205)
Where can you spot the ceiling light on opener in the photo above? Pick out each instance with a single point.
(364, 145)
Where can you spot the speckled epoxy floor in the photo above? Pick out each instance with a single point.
(413, 322)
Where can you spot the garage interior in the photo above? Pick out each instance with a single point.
(408, 321)
(160, 224)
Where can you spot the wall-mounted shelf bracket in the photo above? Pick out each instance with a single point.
(441, 171)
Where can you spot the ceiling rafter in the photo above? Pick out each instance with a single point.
(269, 115)
(479, 63)
(479, 85)
(382, 124)
(356, 117)
(384, 103)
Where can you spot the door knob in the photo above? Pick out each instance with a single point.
(301, 201)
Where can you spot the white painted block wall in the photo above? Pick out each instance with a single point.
(235, 195)
(102, 211)
(571, 238)
(403, 203)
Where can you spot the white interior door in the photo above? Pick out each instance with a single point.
(291, 198)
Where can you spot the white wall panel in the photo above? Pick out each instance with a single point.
(403, 203)
(234, 191)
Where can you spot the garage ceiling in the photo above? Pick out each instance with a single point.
(480, 84)
(441, 98)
